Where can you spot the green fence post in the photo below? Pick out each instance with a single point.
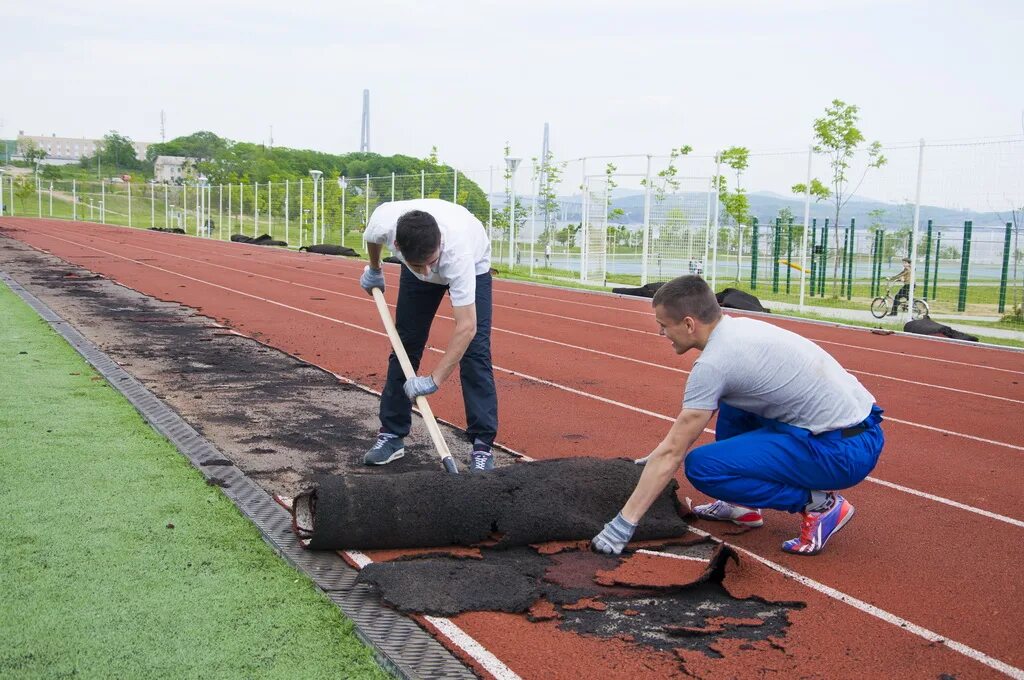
(1006, 268)
(927, 258)
(965, 258)
(824, 260)
(754, 250)
(935, 272)
(789, 254)
(814, 255)
(872, 288)
(849, 257)
(776, 251)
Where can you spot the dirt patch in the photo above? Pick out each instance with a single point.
(279, 419)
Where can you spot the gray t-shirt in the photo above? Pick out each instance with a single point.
(773, 373)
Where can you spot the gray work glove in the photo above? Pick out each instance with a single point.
(614, 537)
(371, 278)
(419, 387)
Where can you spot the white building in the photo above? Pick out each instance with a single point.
(65, 150)
(173, 169)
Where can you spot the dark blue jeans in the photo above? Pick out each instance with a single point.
(763, 463)
(417, 305)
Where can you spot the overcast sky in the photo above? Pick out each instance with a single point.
(610, 78)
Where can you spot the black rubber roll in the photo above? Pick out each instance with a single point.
(564, 499)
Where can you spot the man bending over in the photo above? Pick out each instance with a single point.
(444, 249)
(793, 426)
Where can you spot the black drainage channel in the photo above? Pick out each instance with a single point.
(400, 645)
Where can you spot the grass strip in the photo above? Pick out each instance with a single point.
(117, 559)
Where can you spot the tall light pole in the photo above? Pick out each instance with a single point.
(316, 175)
(202, 204)
(512, 164)
(343, 185)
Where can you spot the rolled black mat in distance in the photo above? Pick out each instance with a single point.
(557, 500)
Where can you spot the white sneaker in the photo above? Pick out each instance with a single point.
(721, 511)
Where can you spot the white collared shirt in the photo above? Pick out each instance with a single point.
(465, 248)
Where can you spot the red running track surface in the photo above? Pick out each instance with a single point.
(938, 536)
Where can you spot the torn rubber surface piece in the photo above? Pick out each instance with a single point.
(516, 579)
(554, 500)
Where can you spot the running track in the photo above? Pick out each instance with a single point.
(923, 582)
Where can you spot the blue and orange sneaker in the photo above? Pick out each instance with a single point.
(818, 527)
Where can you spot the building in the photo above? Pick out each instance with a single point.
(67, 150)
(173, 169)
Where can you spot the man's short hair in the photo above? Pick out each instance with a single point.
(418, 237)
(688, 296)
(907, 260)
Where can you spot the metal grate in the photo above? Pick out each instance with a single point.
(400, 645)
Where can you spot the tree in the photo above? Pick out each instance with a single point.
(837, 135)
(118, 151)
(24, 190)
(735, 203)
(667, 181)
(550, 175)
(32, 153)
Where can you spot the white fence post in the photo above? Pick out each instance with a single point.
(74, 199)
(714, 236)
(807, 228)
(917, 224)
(647, 224)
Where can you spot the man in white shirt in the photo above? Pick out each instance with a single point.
(443, 248)
(793, 425)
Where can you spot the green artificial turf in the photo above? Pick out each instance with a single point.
(117, 559)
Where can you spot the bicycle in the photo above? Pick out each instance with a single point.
(880, 306)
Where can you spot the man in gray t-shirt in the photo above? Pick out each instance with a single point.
(793, 426)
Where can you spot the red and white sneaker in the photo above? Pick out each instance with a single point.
(818, 527)
(727, 512)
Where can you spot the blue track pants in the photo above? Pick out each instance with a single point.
(762, 463)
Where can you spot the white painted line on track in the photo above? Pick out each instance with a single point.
(674, 556)
(566, 388)
(542, 339)
(878, 613)
(472, 648)
(946, 501)
(881, 614)
(455, 635)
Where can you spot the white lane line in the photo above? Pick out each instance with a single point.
(956, 434)
(571, 390)
(946, 501)
(878, 613)
(455, 635)
(474, 649)
(674, 556)
(815, 585)
(557, 316)
(905, 355)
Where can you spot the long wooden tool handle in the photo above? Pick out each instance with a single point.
(428, 415)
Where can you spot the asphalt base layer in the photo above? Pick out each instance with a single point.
(283, 422)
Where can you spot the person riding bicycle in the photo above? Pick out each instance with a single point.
(904, 292)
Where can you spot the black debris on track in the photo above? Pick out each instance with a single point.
(281, 420)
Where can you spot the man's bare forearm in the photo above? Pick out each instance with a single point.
(664, 461)
(374, 250)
